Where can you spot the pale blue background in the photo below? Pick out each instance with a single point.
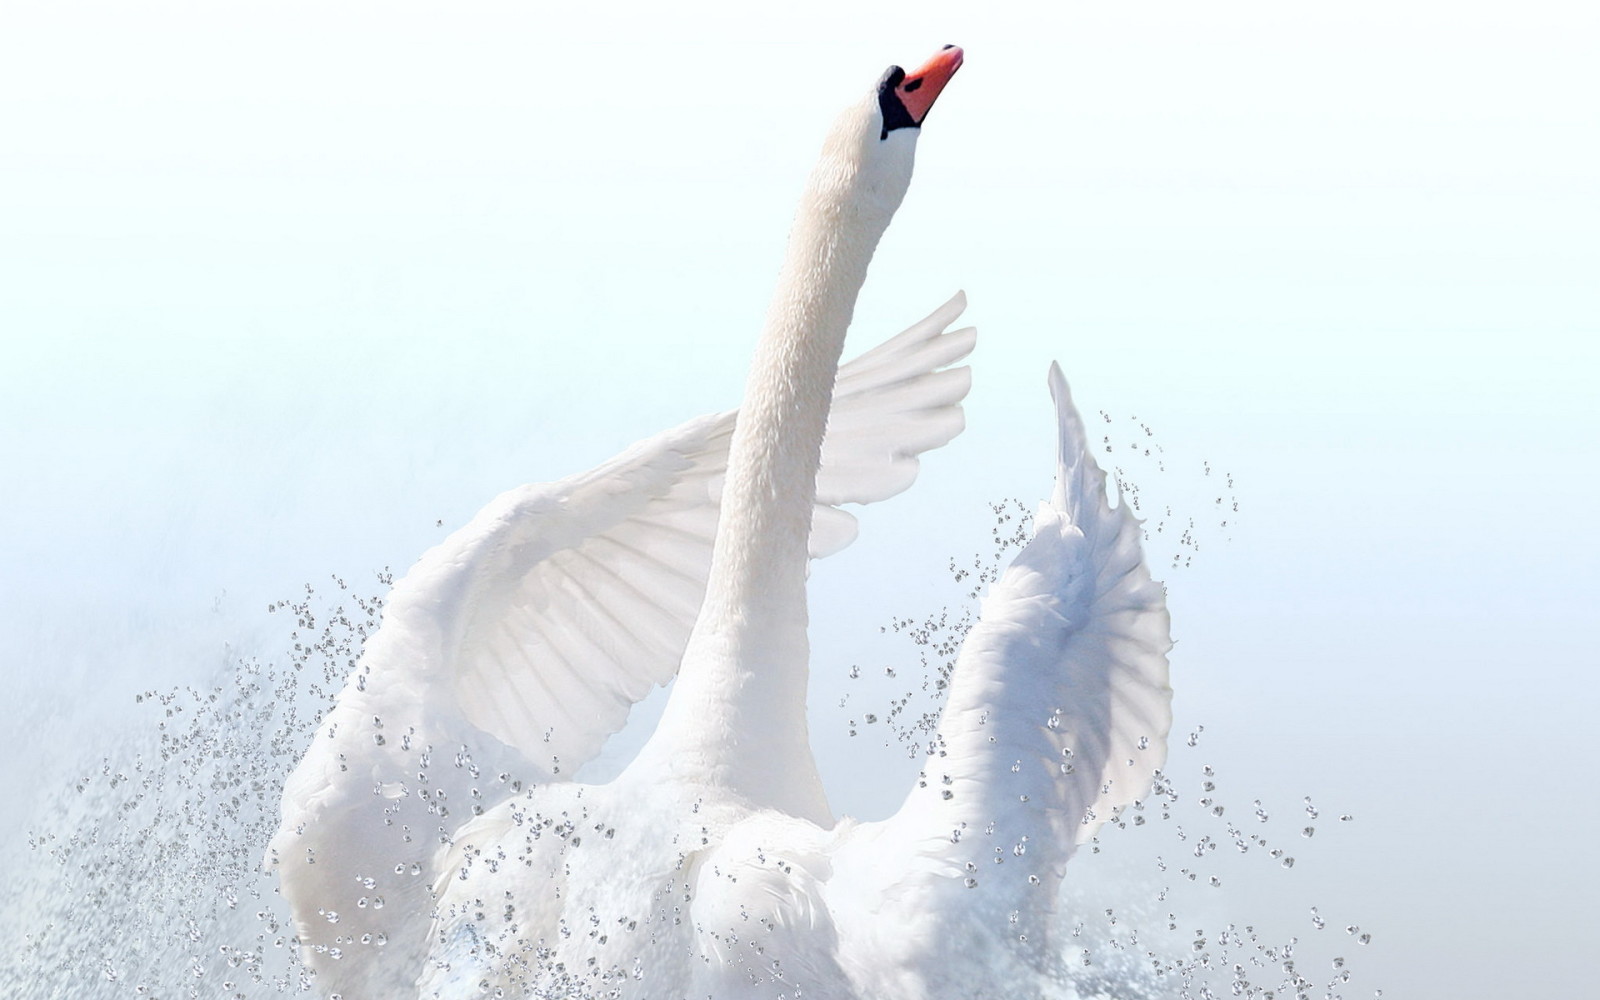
(282, 285)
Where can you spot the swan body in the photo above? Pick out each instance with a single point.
(656, 885)
(433, 843)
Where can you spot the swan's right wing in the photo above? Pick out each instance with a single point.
(1059, 705)
(1057, 717)
(512, 650)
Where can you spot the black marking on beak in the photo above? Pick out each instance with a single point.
(895, 115)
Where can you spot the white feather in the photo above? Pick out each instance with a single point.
(521, 642)
(432, 846)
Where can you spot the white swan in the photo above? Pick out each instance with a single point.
(712, 865)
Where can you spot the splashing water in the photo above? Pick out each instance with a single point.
(146, 878)
(143, 877)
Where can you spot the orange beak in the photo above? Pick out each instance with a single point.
(921, 86)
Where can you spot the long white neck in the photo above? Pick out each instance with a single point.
(737, 716)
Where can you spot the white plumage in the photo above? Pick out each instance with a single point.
(432, 842)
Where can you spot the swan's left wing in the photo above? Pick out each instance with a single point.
(568, 602)
(1057, 717)
(889, 405)
(513, 649)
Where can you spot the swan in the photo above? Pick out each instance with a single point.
(433, 843)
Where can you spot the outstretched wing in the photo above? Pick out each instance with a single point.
(562, 605)
(512, 650)
(889, 405)
(1067, 667)
(1057, 716)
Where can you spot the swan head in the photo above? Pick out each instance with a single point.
(905, 99)
(873, 144)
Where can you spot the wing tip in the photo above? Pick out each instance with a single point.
(1072, 446)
